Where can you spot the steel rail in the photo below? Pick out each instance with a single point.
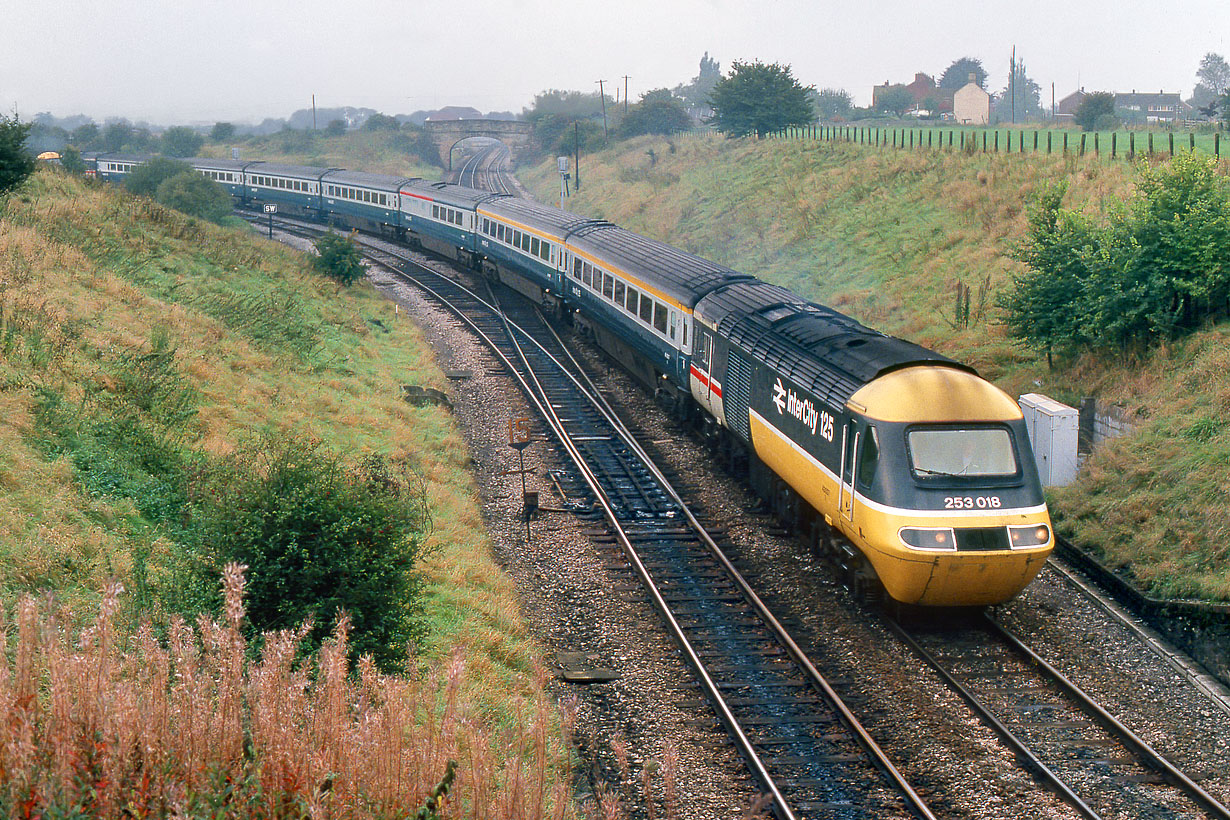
(780, 632)
(594, 396)
(1109, 722)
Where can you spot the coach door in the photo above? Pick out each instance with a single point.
(845, 493)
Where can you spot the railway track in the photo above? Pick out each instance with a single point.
(485, 170)
(802, 744)
(1070, 743)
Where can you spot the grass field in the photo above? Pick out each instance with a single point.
(886, 236)
(377, 152)
(90, 276)
(1106, 145)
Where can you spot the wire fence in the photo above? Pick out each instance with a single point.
(1112, 144)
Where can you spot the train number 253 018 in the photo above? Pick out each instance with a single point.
(971, 502)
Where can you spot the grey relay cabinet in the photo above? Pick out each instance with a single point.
(1052, 434)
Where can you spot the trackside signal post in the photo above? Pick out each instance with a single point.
(519, 438)
(564, 176)
(270, 210)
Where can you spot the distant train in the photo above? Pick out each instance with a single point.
(910, 469)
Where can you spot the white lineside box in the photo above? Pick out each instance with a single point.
(1052, 433)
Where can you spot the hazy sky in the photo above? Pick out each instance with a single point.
(205, 60)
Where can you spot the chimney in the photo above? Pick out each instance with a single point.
(973, 78)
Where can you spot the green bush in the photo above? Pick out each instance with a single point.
(1158, 268)
(319, 537)
(339, 258)
(15, 162)
(195, 195)
(145, 178)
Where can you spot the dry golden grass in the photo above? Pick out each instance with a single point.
(100, 724)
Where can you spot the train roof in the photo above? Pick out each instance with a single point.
(382, 182)
(296, 171)
(450, 194)
(814, 346)
(220, 164)
(560, 224)
(683, 276)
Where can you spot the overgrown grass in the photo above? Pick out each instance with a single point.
(892, 237)
(126, 328)
(100, 724)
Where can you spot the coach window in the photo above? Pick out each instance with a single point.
(534, 245)
(633, 298)
(646, 310)
(659, 317)
(869, 458)
(685, 331)
(619, 293)
(576, 268)
(607, 285)
(674, 322)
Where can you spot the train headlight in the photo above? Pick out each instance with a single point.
(939, 539)
(1034, 535)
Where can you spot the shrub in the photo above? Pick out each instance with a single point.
(181, 141)
(195, 195)
(145, 179)
(339, 258)
(15, 162)
(321, 539)
(1158, 268)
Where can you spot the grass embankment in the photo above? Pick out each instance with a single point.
(887, 236)
(92, 280)
(376, 152)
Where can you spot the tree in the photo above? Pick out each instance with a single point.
(339, 258)
(192, 193)
(15, 162)
(833, 104)
(759, 98)
(896, 99)
(181, 141)
(380, 122)
(1214, 73)
(1027, 94)
(145, 178)
(335, 128)
(222, 131)
(658, 112)
(116, 135)
(86, 136)
(957, 75)
(1094, 107)
(71, 161)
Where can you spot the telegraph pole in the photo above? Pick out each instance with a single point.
(606, 135)
(625, 95)
(1012, 83)
(313, 112)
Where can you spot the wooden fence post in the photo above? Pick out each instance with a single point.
(1131, 146)
(1048, 143)
(1095, 139)
(997, 140)
(1035, 142)
(1096, 148)
(1114, 143)
(1192, 140)
(1172, 145)
(1217, 145)
(1150, 143)
(1065, 142)
(1007, 150)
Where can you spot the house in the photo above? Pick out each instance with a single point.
(1159, 107)
(1065, 109)
(970, 104)
(1133, 107)
(927, 95)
